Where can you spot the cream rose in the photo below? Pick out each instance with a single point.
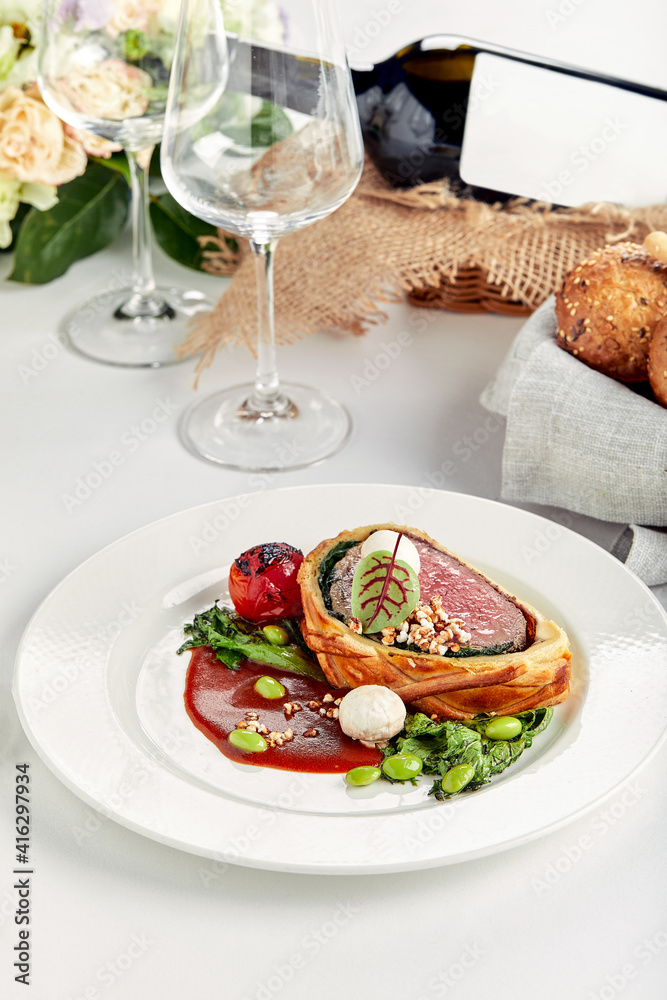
(131, 15)
(33, 144)
(94, 145)
(110, 89)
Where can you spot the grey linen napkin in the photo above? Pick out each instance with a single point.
(579, 440)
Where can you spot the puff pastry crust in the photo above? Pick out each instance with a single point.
(449, 687)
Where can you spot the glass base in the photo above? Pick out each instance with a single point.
(111, 327)
(226, 429)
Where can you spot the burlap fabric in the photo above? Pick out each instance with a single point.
(424, 242)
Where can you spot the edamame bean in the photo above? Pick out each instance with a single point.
(457, 778)
(244, 740)
(505, 727)
(363, 775)
(269, 687)
(402, 766)
(276, 635)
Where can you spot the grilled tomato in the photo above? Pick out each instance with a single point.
(262, 582)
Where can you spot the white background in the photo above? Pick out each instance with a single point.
(551, 919)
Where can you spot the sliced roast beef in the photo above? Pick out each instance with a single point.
(493, 619)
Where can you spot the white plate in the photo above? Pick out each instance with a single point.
(100, 690)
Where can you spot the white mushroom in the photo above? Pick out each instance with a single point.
(371, 713)
(385, 541)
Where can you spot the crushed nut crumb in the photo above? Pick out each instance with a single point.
(430, 629)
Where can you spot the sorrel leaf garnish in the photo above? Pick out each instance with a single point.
(385, 590)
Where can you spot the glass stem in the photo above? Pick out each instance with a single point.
(266, 396)
(145, 301)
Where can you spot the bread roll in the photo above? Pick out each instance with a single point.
(657, 362)
(608, 307)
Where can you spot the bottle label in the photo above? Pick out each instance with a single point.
(546, 135)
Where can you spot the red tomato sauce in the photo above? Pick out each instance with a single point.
(216, 699)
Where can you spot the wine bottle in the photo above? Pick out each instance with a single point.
(413, 108)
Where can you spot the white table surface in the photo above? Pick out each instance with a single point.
(118, 916)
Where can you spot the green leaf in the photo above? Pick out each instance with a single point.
(233, 640)
(177, 232)
(136, 45)
(117, 161)
(269, 125)
(154, 169)
(90, 213)
(385, 590)
(443, 745)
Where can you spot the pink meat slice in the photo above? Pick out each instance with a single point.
(491, 618)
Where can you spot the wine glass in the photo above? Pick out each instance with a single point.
(278, 149)
(104, 69)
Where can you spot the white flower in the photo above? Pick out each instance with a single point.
(9, 49)
(9, 203)
(19, 27)
(261, 21)
(12, 192)
(26, 12)
(40, 196)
